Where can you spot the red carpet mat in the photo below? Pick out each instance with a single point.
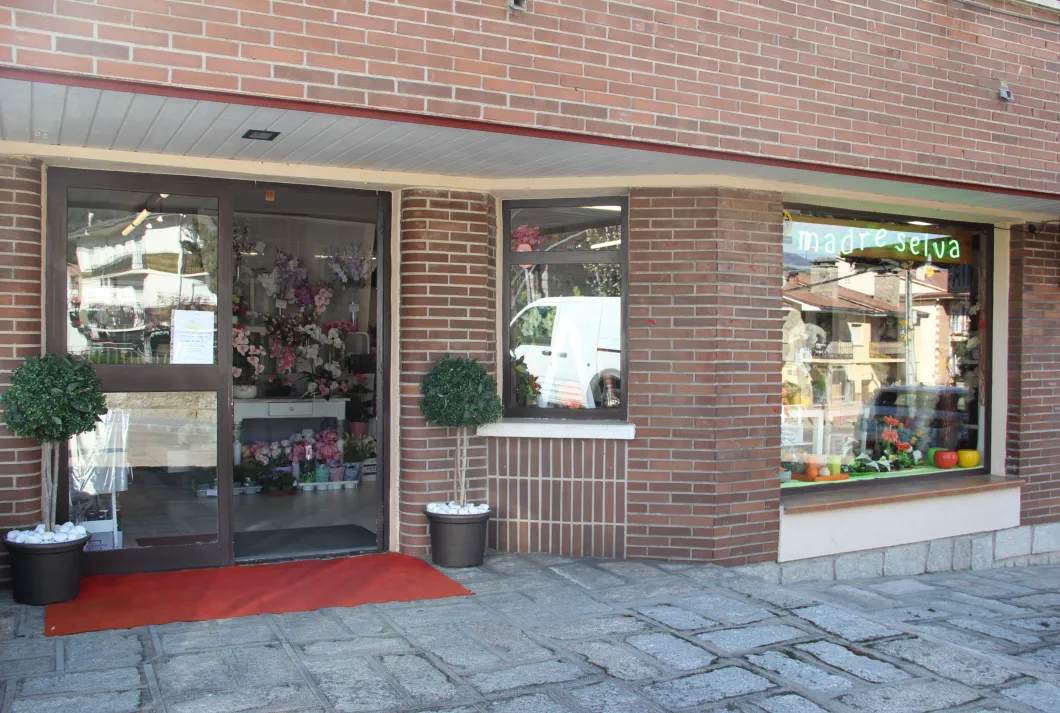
(125, 601)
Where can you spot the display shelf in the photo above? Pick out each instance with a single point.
(924, 470)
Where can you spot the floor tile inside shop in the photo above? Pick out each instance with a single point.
(550, 635)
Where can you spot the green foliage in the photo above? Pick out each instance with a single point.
(458, 392)
(358, 449)
(249, 471)
(53, 398)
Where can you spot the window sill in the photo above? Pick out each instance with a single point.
(887, 492)
(559, 428)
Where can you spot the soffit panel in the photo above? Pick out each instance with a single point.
(54, 114)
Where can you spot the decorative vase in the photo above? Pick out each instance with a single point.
(929, 459)
(243, 391)
(353, 472)
(338, 473)
(945, 459)
(968, 458)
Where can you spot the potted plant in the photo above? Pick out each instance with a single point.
(51, 399)
(459, 393)
(356, 450)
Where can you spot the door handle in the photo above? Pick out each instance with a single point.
(563, 355)
(546, 352)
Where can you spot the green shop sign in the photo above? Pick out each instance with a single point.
(825, 240)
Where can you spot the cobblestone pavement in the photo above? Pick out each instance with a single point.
(551, 635)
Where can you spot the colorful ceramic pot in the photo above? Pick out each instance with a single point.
(968, 458)
(945, 459)
(929, 457)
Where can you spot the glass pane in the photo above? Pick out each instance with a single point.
(881, 349)
(565, 336)
(147, 476)
(141, 277)
(305, 292)
(555, 228)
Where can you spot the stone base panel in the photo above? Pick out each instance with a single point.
(1013, 547)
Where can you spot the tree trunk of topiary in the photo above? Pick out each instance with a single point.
(49, 485)
(460, 466)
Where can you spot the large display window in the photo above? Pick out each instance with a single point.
(884, 359)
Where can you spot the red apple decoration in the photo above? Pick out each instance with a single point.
(945, 459)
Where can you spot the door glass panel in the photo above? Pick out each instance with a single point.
(147, 476)
(141, 277)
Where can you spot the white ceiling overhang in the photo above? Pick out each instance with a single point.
(75, 125)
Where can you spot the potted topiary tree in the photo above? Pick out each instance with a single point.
(459, 393)
(51, 399)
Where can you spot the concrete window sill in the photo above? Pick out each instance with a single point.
(559, 428)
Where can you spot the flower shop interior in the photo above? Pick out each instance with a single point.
(155, 290)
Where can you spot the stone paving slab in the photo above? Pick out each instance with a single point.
(548, 634)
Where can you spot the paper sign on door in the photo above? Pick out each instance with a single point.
(192, 336)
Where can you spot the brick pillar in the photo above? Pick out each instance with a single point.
(448, 303)
(704, 385)
(1034, 372)
(20, 334)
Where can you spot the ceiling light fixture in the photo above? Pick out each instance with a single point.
(919, 222)
(140, 217)
(608, 244)
(260, 135)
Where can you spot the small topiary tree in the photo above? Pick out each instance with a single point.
(52, 399)
(459, 393)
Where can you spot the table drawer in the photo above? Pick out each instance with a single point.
(290, 409)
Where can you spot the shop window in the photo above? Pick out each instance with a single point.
(884, 371)
(565, 306)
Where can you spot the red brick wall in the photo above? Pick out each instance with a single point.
(560, 495)
(908, 86)
(705, 349)
(1034, 372)
(447, 304)
(20, 333)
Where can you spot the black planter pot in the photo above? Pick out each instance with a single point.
(458, 540)
(47, 573)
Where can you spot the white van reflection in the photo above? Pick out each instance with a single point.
(573, 345)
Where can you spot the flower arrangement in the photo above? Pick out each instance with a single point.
(526, 386)
(247, 361)
(342, 326)
(275, 454)
(285, 276)
(530, 237)
(350, 267)
(326, 446)
(359, 449)
(283, 354)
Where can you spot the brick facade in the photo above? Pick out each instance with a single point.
(566, 496)
(20, 333)
(705, 349)
(1034, 372)
(448, 289)
(909, 87)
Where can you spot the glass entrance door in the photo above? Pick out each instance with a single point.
(305, 356)
(135, 287)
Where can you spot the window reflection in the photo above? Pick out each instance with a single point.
(882, 337)
(133, 260)
(147, 476)
(565, 336)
